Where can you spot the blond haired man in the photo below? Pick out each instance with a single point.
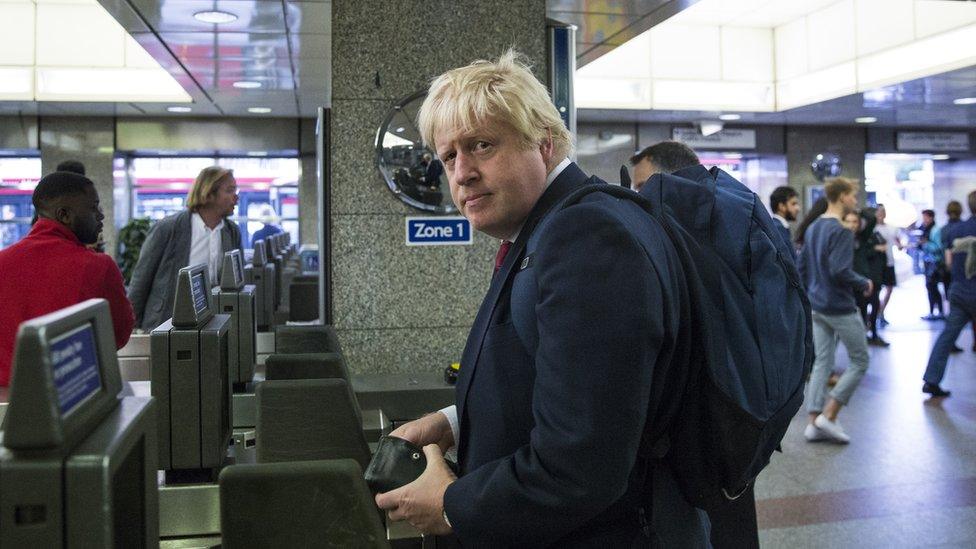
(568, 351)
(826, 266)
(199, 234)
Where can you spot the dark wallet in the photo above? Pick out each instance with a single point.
(395, 463)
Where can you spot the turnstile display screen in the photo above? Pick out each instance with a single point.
(199, 290)
(74, 359)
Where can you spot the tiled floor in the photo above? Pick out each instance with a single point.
(908, 477)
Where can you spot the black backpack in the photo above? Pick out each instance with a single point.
(748, 338)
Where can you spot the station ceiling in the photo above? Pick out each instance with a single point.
(284, 47)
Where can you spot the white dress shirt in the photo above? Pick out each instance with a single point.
(206, 246)
(451, 411)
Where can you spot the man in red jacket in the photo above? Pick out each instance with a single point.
(52, 269)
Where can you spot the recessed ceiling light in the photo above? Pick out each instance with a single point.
(965, 101)
(247, 84)
(259, 110)
(940, 157)
(257, 153)
(729, 117)
(215, 17)
(179, 109)
(865, 120)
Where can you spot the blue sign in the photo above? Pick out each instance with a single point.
(199, 293)
(75, 365)
(438, 231)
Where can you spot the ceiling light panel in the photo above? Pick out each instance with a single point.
(936, 54)
(698, 59)
(943, 16)
(830, 32)
(16, 83)
(792, 58)
(883, 24)
(747, 54)
(78, 35)
(16, 33)
(106, 85)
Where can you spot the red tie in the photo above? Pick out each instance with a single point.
(500, 256)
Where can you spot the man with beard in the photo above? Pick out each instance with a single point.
(52, 268)
(785, 205)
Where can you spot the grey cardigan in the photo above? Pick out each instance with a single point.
(165, 251)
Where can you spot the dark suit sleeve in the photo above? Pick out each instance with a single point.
(600, 318)
(145, 272)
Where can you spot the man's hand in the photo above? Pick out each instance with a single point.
(421, 503)
(870, 289)
(430, 429)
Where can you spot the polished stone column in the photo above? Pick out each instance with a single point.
(90, 140)
(402, 309)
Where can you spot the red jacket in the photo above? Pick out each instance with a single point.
(51, 269)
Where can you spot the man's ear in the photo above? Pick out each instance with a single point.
(546, 147)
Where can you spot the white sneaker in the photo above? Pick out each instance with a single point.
(832, 429)
(813, 434)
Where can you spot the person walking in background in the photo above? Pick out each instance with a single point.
(826, 269)
(817, 209)
(888, 279)
(935, 271)
(961, 260)
(938, 245)
(784, 202)
(199, 234)
(869, 261)
(918, 235)
(270, 220)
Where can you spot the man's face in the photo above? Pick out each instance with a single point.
(880, 214)
(928, 219)
(852, 221)
(789, 209)
(643, 170)
(83, 215)
(225, 197)
(495, 178)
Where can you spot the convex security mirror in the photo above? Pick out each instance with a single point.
(411, 171)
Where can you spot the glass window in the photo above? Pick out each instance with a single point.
(18, 178)
(267, 190)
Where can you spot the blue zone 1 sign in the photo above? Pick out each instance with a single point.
(438, 231)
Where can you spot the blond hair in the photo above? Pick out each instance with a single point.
(485, 92)
(837, 186)
(205, 186)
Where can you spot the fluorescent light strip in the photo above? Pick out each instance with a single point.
(941, 53)
(16, 84)
(107, 85)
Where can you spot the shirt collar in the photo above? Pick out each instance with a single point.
(549, 179)
(45, 226)
(198, 223)
(782, 220)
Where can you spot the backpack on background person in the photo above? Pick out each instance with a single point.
(748, 345)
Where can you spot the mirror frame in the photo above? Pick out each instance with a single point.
(385, 170)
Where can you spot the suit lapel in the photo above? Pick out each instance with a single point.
(184, 236)
(569, 180)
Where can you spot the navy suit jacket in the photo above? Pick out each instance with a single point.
(557, 376)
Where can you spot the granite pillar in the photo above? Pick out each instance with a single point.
(803, 143)
(400, 308)
(91, 141)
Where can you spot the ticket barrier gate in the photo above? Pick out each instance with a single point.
(235, 298)
(281, 505)
(190, 379)
(78, 463)
(262, 274)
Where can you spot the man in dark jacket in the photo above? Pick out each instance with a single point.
(555, 384)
